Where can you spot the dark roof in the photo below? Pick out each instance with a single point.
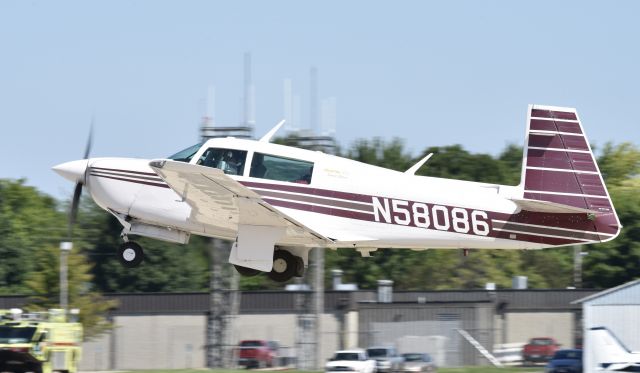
(285, 301)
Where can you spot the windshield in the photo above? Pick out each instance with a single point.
(540, 342)
(347, 356)
(186, 154)
(412, 357)
(16, 335)
(251, 344)
(377, 352)
(568, 355)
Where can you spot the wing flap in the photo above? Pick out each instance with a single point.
(221, 202)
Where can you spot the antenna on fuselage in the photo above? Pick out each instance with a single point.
(267, 137)
(416, 167)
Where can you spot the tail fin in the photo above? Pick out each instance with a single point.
(609, 352)
(559, 168)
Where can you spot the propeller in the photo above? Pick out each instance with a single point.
(77, 192)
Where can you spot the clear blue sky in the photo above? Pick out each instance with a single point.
(431, 73)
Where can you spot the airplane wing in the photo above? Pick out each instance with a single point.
(220, 202)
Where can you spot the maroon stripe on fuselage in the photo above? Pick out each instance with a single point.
(562, 160)
(553, 114)
(121, 174)
(536, 239)
(569, 142)
(320, 209)
(127, 171)
(309, 190)
(589, 236)
(315, 200)
(136, 181)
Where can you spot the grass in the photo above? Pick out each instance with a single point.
(478, 369)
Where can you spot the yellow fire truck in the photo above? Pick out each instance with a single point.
(39, 342)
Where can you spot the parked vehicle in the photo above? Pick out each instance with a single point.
(258, 354)
(418, 362)
(387, 359)
(40, 342)
(351, 361)
(539, 350)
(565, 361)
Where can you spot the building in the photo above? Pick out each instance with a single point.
(168, 331)
(617, 309)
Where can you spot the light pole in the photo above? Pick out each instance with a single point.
(65, 248)
(577, 265)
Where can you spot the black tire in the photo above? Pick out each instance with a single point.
(299, 267)
(246, 272)
(284, 266)
(130, 254)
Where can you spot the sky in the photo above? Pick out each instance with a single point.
(432, 73)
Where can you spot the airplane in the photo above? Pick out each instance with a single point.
(609, 353)
(277, 202)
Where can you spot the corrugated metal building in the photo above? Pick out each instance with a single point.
(163, 331)
(617, 309)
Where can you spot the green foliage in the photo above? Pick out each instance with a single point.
(167, 267)
(44, 286)
(29, 222)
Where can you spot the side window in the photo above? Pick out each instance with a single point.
(230, 161)
(265, 166)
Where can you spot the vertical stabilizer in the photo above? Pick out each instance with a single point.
(560, 168)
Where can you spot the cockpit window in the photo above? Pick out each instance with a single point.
(230, 161)
(272, 167)
(186, 154)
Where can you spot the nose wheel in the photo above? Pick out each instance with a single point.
(130, 254)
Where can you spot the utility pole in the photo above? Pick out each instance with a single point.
(224, 296)
(577, 265)
(65, 248)
(318, 303)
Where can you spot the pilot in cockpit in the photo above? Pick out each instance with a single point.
(230, 163)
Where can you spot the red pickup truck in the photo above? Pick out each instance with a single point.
(539, 350)
(257, 354)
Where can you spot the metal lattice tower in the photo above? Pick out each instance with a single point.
(224, 300)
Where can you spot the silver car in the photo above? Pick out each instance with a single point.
(418, 362)
(387, 359)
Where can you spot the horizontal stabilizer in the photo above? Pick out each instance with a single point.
(547, 206)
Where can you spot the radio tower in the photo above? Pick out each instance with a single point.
(224, 295)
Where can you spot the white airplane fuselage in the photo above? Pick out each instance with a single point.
(561, 200)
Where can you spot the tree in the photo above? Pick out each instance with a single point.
(29, 222)
(43, 284)
(168, 267)
(615, 262)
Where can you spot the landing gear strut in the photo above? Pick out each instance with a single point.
(130, 254)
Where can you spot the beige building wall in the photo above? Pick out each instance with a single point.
(178, 341)
(96, 354)
(521, 326)
(159, 342)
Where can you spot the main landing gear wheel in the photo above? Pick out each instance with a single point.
(246, 272)
(285, 266)
(130, 254)
(299, 267)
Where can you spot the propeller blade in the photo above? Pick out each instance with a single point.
(73, 212)
(87, 150)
